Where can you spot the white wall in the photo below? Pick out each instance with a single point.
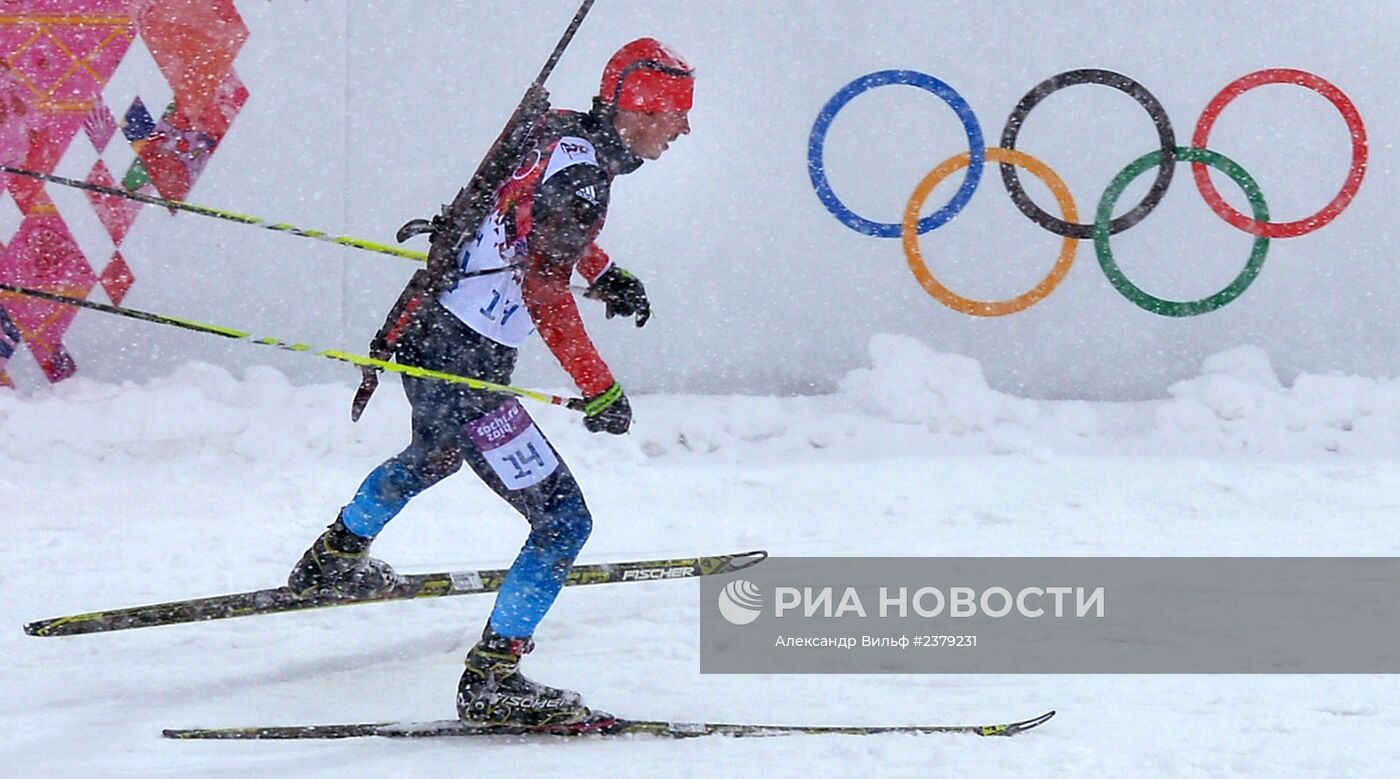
(363, 115)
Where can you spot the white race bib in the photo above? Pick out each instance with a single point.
(491, 304)
(513, 445)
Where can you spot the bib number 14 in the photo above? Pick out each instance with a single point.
(514, 447)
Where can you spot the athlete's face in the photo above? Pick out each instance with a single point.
(648, 135)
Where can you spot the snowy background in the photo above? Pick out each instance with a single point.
(202, 482)
(363, 115)
(796, 391)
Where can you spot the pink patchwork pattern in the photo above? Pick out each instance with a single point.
(56, 59)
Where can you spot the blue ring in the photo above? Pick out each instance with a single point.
(913, 78)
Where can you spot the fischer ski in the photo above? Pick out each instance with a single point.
(432, 585)
(611, 727)
(607, 727)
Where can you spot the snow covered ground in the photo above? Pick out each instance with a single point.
(203, 482)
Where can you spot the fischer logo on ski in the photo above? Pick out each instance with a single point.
(645, 574)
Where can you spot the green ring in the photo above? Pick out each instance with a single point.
(1156, 305)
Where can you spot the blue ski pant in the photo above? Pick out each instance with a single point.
(455, 426)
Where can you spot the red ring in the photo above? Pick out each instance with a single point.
(1307, 224)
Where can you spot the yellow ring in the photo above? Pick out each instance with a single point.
(951, 299)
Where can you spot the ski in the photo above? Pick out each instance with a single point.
(609, 728)
(430, 585)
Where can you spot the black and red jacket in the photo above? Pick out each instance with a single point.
(541, 228)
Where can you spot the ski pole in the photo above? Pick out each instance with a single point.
(253, 221)
(577, 404)
(219, 213)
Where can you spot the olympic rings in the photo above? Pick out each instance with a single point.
(1303, 226)
(1121, 83)
(1104, 225)
(817, 142)
(1157, 305)
(977, 307)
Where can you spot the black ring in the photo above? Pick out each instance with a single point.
(1106, 78)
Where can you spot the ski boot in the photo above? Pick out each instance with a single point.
(338, 563)
(493, 692)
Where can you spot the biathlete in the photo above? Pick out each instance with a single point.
(541, 229)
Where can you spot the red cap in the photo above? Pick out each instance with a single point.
(653, 78)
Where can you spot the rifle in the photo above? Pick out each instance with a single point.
(450, 230)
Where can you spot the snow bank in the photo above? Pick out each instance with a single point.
(1238, 403)
(910, 399)
(199, 410)
(946, 393)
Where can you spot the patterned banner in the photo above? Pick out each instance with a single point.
(57, 58)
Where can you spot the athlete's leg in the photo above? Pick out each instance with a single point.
(429, 459)
(338, 561)
(510, 454)
(558, 530)
(441, 412)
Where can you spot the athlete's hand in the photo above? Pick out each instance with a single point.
(608, 411)
(623, 293)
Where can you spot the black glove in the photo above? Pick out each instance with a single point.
(608, 411)
(623, 293)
